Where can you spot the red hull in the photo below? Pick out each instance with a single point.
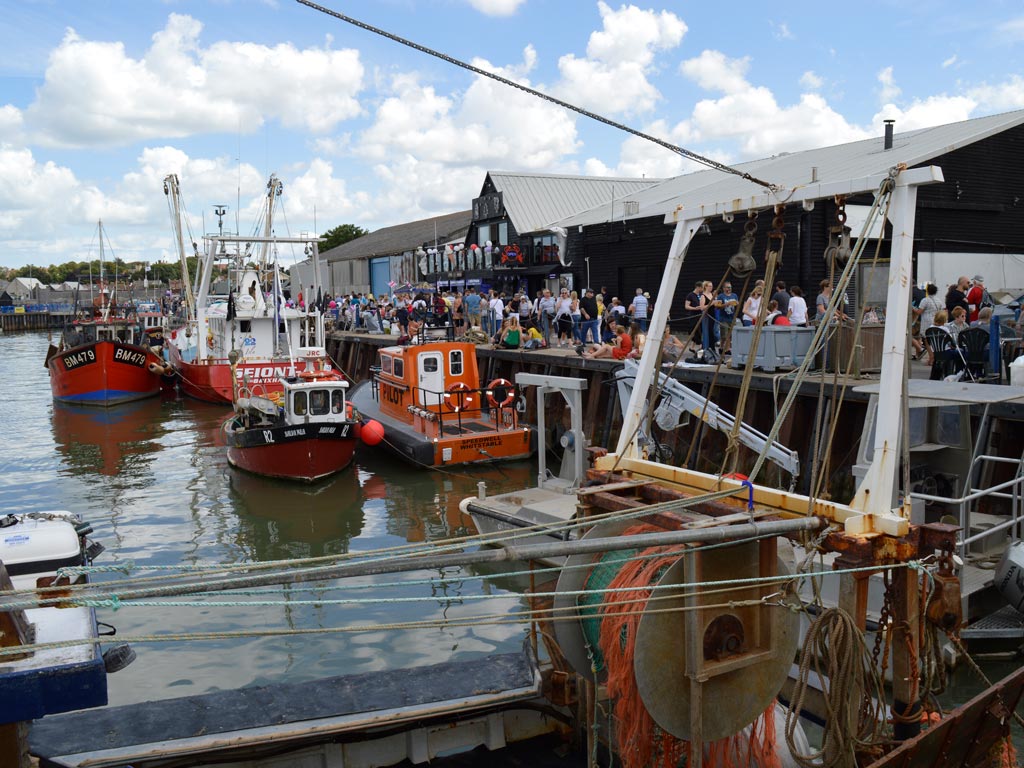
(104, 373)
(307, 460)
(211, 381)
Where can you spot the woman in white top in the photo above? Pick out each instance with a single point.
(563, 318)
(752, 306)
(797, 307)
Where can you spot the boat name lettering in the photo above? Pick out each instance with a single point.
(268, 436)
(85, 357)
(483, 442)
(327, 430)
(17, 540)
(294, 432)
(267, 374)
(391, 394)
(130, 356)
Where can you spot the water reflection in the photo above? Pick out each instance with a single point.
(109, 440)
(279, 520)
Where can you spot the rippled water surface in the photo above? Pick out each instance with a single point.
(153, 479)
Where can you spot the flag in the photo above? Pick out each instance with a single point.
(392, 283)
(231, 307)
(319, 300)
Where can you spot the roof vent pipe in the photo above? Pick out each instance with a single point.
(888, 133)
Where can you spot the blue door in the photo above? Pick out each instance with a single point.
(380, 275)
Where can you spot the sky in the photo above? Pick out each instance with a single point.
(101, 99)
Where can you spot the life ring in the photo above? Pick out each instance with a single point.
(511, 254)
(500, 393)
(458, 397)
(307, 375)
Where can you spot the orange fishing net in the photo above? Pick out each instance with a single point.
(641, 742)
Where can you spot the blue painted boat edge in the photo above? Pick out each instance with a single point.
(32, 694)
(105, 397)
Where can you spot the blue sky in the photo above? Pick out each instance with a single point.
(100, 100)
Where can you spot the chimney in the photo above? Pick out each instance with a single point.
(888, 133)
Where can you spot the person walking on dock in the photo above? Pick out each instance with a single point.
(591, 321)
(546, 311)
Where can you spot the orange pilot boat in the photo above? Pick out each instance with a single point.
(434, 412)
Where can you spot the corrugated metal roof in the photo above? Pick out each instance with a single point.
(534, 201)
(844, 161)
(400, 238)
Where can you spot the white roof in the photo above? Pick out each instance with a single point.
(535, 201)
(857, 159)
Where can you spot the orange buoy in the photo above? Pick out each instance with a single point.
(372, 432)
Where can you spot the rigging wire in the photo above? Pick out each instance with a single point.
(688, 154)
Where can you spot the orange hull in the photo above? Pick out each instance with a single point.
(104, 373)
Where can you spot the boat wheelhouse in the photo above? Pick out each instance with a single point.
(434, 411)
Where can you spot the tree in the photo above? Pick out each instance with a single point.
(340, 235)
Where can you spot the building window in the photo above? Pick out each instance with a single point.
(545, 249)
(483, 234)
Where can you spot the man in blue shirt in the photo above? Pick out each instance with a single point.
(639, 309)
(726, 304)
(472, 302)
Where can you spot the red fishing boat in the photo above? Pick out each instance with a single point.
(306, 433)
(246, 336)
(434, 412)
(105, 355)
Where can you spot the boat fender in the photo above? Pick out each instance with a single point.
(156, 368)
(521, 404)
(371, 432)
(500, 393)
(458, 397)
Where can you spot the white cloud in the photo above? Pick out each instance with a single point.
(810, 81)
(497, 7)
(1001, 97)
(613, 78)
(94, 92)
(1011, 30)
(747, 121)
(640, 158)
(714, 71)
(781, 30)
(889, 90)
(947, 63)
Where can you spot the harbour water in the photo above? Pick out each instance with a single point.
(153, 480)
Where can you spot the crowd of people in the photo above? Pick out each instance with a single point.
(598, 325)
(546, 320)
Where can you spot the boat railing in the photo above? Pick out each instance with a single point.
(1010, 490)
(461, 405)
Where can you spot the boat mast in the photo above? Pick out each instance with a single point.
(274, 190)
(104, 298)
(173, 191)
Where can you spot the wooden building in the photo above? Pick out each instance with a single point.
(509, 245)
(396, 254)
